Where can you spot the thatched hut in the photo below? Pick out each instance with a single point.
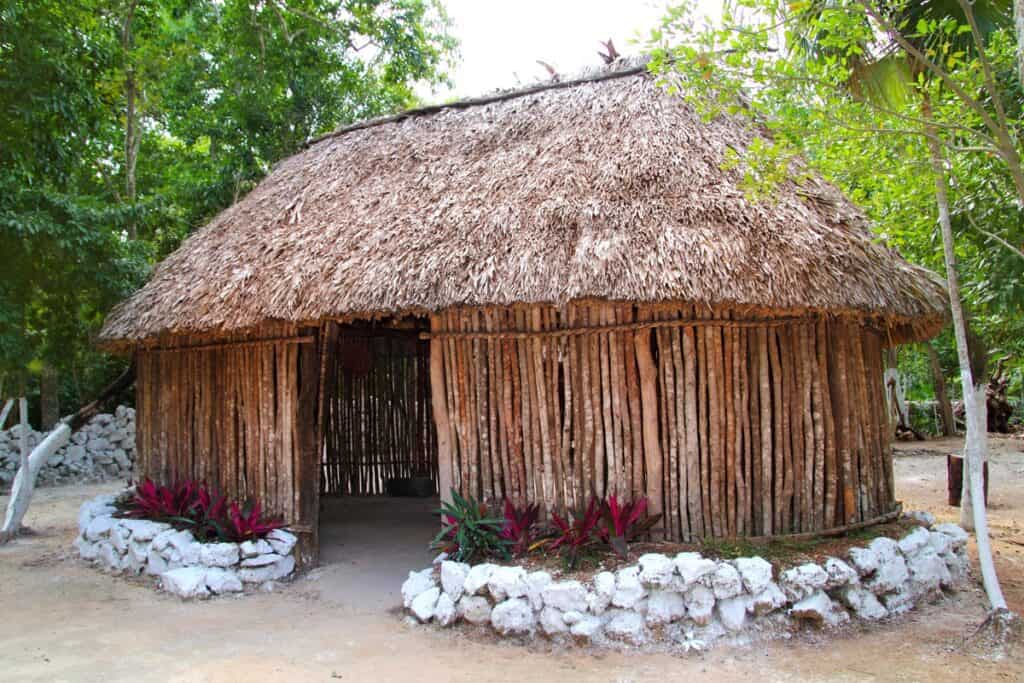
(537, 294)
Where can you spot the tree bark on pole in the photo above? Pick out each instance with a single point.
(31, 463)
(974, 408)
(941, 392)
(5, 411)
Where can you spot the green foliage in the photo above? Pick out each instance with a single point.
(223, 90)
(829, 88)
(469, 532)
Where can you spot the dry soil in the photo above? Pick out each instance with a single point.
(64, 621)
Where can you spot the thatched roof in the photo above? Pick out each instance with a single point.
(605, 187)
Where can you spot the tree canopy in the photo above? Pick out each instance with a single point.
(126, 124)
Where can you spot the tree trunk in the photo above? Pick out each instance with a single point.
(49, 398)
(131, 132)
(31, 463)
(5, 411)
(941, 392)
(1018, 23)
(974, 407)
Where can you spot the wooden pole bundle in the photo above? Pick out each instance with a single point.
(730, 424)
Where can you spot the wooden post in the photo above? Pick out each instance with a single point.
(649, 412)
(437, 400)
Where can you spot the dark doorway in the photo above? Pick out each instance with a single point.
(379, 436)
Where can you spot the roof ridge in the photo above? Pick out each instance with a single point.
(627, 67)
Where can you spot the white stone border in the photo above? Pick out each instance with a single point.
(185, 567)
(690, 601)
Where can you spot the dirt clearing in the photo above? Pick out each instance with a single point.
(64, 621)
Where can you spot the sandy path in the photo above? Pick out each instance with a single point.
(62, 620)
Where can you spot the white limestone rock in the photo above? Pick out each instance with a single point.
(768, 600)
(626, 625)
(282, 541)
(221, 581)
(656, 570)
(186, 582)
(475, 609)
(628, 589)
(803, 581)
(119, 537)
(926, 518)
(261, 560)
(99, 528)
(732, 612)
(898, 602)
(566, 596)
(513, 616)
(418, 582)
(928, 573)
(109, 557)
(586, 628)
(692, 567)
(665, 607)
(914, 541)
(162, 540)
(280, 569)
(940, 543)
(756, 573)
(839, 573)
(186, 546)
(700, 603)
(423, 604)
(726, 582)
(156, 565)
(444, 610)
(477, 578)
(137, 556)
(254, 548)
(956, 535)
(600, 598)
(892, 568)
(87, 550)
(864, 560)
(507, 582)
(552, 622)
(143, 529)
(819, 610)
(536, 582)
(218, 554)
(453, 578)
(863, 603)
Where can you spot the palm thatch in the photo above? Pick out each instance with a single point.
(602, 188)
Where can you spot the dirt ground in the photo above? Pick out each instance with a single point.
(64, 621)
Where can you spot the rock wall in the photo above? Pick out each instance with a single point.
(103, 449)
(689, 601)
(184, 566)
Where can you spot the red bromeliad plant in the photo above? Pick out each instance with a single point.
(188, 504)
(572, 537)
(623, 523)
(520, 526)
(246, 524)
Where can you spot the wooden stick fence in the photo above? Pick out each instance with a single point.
(379, 423)
(731, 427)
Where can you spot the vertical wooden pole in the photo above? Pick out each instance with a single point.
(440, 409)
(649, 413)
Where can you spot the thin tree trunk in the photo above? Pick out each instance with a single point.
(49, 400)
(6, 411)
(974, 407)
(941, 392)
(31, 463)
(1018, 23)
(131, 133)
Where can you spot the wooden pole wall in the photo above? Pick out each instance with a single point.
(730, 428)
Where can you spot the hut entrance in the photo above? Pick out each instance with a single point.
(378, 478)
(379, 436)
